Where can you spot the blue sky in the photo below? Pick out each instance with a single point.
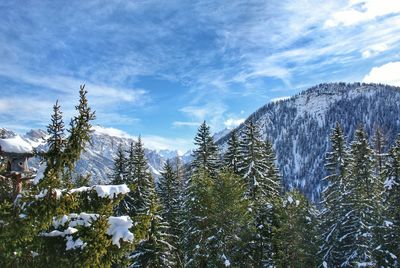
(158, 68)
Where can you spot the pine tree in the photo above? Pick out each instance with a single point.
(295, 237)
(391, 216)
(231, 219)
(142, 189)
(231, 157)
(334, 211)
(56, 141)
(274, 184)
(120, 176)
(157, 249)
(170, 196)
(379, 143)
(261, 191)
(253, 162)
(80, 131)
(206, 154)
(363, 198)
(198, 227)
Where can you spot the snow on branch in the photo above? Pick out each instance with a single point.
(118, 228)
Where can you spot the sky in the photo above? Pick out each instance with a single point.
(159, 68)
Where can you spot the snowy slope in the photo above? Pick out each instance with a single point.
(300, 126)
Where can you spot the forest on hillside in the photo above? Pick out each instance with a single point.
(224, 210)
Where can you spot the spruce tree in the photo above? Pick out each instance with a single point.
(120, 176)
(170, 196)
(156, 250)
(379, 144)
(206, 154)
(119, 171)
(231, 219)
(363, 201)
(334, 210)
(231, 158)
(261, 191)
(197, 225)
(56, 141)
(80, 131)
(295, 236)
(391, 215)
(274, 184)
(143, 189)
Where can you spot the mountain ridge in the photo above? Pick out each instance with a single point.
(300, 126)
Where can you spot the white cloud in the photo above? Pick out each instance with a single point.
(388, 73)
(186, 124)
(101, 94)
(232, 123)
(359, 11)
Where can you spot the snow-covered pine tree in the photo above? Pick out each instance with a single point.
(231, 219)
(274, 184)
(379, 144)
(119, 169)
(363, 199)
(334, 210)
(295, 236)
(253, 161)
(155, 249)
(253, 169)
(197, 224)
(391, 215)
(206, 154)
(231, 157)
(120, 176)
(170, 196)
(143, 189)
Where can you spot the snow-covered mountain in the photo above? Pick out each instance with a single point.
(300, 126)
(97, 159)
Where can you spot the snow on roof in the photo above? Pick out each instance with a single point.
(15, 145)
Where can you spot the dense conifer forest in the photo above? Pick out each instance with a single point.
(225, 209)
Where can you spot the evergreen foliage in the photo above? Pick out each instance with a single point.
(206, 154)
(295, 236)
(170, 196)
(231, 158)
(391, 215)
(333, 213)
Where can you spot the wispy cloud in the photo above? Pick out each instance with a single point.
(358, 11)
(188, 60)
(186, 124)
